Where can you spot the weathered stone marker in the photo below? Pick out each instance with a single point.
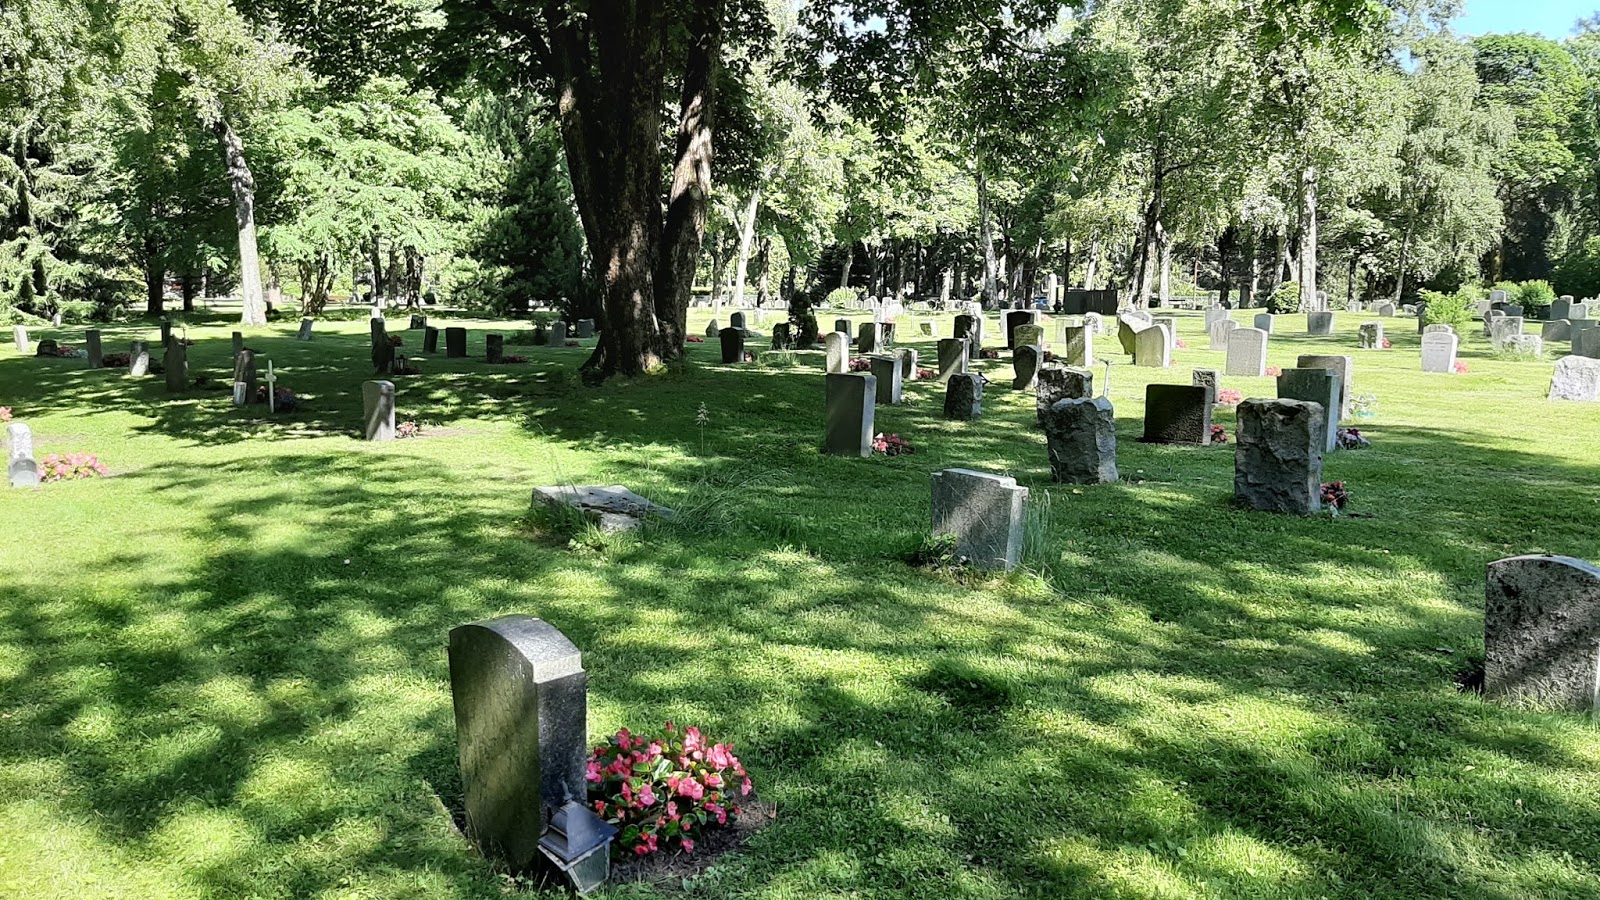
(176, 363)
(1557, 330)
(430, 340)
(455, 343)
(1278, 456)
(238, 342)
(19, 338)
(1263, 322)
(1371, 336)
(842, 325)
(970, 327)
(166, 332)
(1176, 414)
(735, 320)
(1541, 633)
(886, 372)
(1057, 383)
(850, 410)
(732, 342)
(1082, 437)
(585, 329)
(908, 364)
(869, 337)
(21, 468)
(1210, 379)
(963, 398)
(1025, 367)
(1152, 347)
(417, 323)
(1219, 332)
(1439, 352)
(91, 343)
(1247, 353)
(521, 710)
(244, 378)
(782, 336)
(952, 358)
(494, 348)
(1318, 386)
(558, 334)
(984, 512)
(382, 348)
(138, 359)
(1077, 344)
(377, 403)
(1319, 323)
(838, 344)
(1576, 378)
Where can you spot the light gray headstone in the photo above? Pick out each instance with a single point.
(521, 710)
(1585, 340)
(838, 344)
(1278, 456)
(138, 359)
(585, 329)
(558, 334)
(1371, 335)
(377, 402)
(1152, 347)
(1210, 379)
(712, 329)
(1215, 314)
(1576, 378)
(1439, 328)
(1319, 323)
(850, 401)
(1220, 331)
(963, 398)
(1058, 383)
(19, 338)
(1081, 434)
(1264, 322)
(1558, 330)
(1247, 353)
(1439, 352)
(21, 467)
(1541, 633)
(1498, 297)
(1385, 309)
(986, 514)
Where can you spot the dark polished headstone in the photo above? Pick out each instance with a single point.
(1176, 414)
(455, 343)
(430, 339)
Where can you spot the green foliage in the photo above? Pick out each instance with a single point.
(838, 298)
(1535, 294)
(1286, 299)
(1454, 309)
(1578, 273)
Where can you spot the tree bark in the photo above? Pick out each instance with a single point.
(243, 184)
(991, 287)
(688, 199)
(747, 236)
(849, 263)
(1308, 236)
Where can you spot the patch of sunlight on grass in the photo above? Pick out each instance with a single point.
(203, 836)
(1248, 866)
(94, 726)
(48, 858)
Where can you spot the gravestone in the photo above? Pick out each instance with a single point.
(1025, 367)
(541, 335)
(712, 329)
(1439, 327)
(886, 372)
(842, 325)
(305, 330)
(138, 359)
(1215, 314)
(1014, 320)
(613, 509)
(908, 365)
(558, 334)
(952, 358)
(1385, 309)
(963, 398)
(732, 345)
(1541, 633)
(850, 408)
(1152, 347)
(736, 320)
(1029, 335)
(1576, 378)
(1219, 332)
(1172, 327)
(869, 337)
(966, 327)
(19, 338)
(1345, 368)
(1561, 308)
(244, 378)
(782, 339)
(928, 329)
(91, 343)
(494, 348)
(1096, 323)
(1077, 345)
(1372, 335)
(1210, 379)
(1579, 311)
(417, 323)
(1514, 311)
(21, 468)
(1439, 352)
(377, 403)
(238, 342)
(175, 362)
(1264, 322)
(1501, 330)
(1586, 342)
(382, 348)
(1527, 346)
(1247, 353)
(521, 711)
(1319, 323)
(166, 332)
(1318, 386)
(47, 349)
(430, 339)
(455, 343)
(1056, 383)
(1176, 414)
(1081, 434)
(585, 329)
(838, 359)
(1558, 330)
(985, 513)
(1278, 456)
(1497, 297)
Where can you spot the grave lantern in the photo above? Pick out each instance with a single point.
(578, 842)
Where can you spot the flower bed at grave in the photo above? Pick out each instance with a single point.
(892, 445)
(860, 364)
(286, 400)
(1335, 496)
(66, 351)
(70, 467)
(666, 791)
(115, 361)
(926, 374)
(1229, 397)
(1219, 435)
(1353, 439)
(694, 339)
(407, 430)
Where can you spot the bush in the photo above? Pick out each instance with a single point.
(1286, 299)
(1455, 309)
(838, 297)
(1534, 294)
(1578, 272)
(663, 790)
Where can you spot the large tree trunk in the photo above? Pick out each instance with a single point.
(1166, 268)
(1225, 244)
(688, 199)
(154, 276)
(849, 263)
(1308, 236)
(243, 184)
(1400, 267)
(747, 237)
(991, 286)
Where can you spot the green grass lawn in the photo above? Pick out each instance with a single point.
(223, 673)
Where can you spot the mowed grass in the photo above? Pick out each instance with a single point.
(223, 672)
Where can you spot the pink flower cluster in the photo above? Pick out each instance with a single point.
(1229, 397)
(860, 364)
(1461, 367)
(892, 445)
(1219, 435)
(660, 790)
(694, 339)
(70, 466)
(1273, 371)
(5, 413)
